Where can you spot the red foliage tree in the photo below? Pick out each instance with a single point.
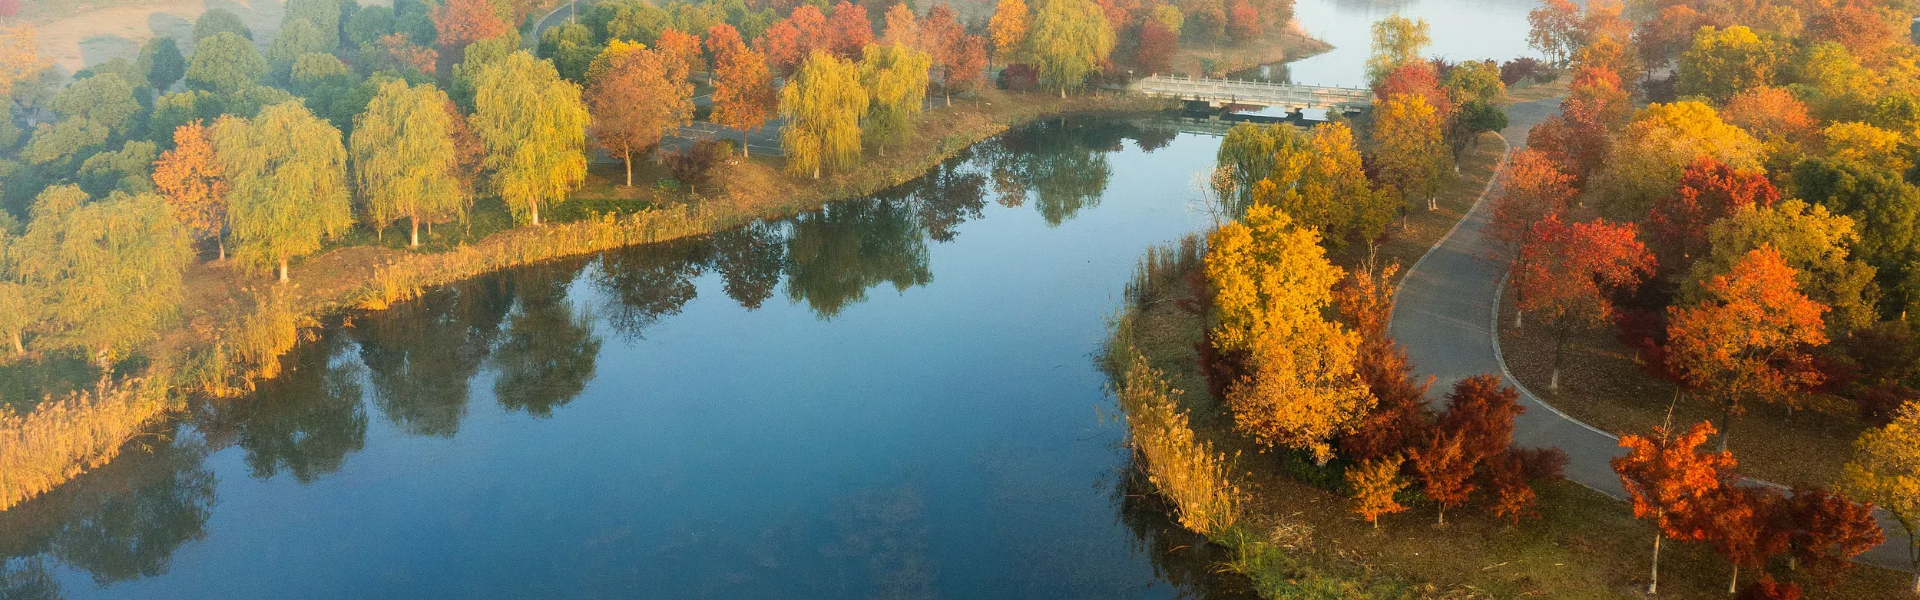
(789, 42)
(1709, 190)
(1673, 484)
(680, 53)
(1446, 470)
(1243, 22)
(969, 67)
(1418, 78)
(462, 22)
(1399, 419)
(1747, 525)
(1748, 340)
(848, 30)
(1154, 53)
(1568, 273)
(1531, 187)
(1828, 529)
(9, 8)
(1481, 411)
(722, 41)
(1510, 496)
(1580, 137)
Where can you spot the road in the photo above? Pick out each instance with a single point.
(1444, 313)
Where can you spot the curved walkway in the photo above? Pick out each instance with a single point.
(1444, 313)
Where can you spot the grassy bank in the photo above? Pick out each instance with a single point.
(1296, 538)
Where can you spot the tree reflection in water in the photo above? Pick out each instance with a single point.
(548, 353)
(834, 254)
(421, 356)
(120, 522)
(750, 260)
(306, 421)
(642, 285)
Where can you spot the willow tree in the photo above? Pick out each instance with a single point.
(1397, 42)
(535, 129)
(1070, 39)
(896, 80)
(19, 303)
(108, 272)
(288, 178)
(635, 101)
(822, 102)
(404, 161)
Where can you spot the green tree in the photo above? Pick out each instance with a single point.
(404, 162)
(225, 64)
(1397, 42)
(287, 172)
(296, 38)
(125, 170)
(217, 21)
(1883, 209)
(106, 99)
(369, 24)
(535, 128)
(324, 15)
(1070, 39)
(161, 63)
(109, 271)
(896, 80)
(823, 103)
(179, 108)
(570, 46)
(60, 143)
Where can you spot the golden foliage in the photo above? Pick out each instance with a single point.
(64, 436)
(535, 128)
(1374, 483)
(189, 177)
(1184, 469)
(1009, 28)
(824, 102)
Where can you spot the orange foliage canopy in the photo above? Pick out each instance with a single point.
(1568, 270)
(680, 54)
(189, 178)
(1446, 470)
(743, 93)
(1416, 78)
(1829, 529)
(849, 30)
(1399, 416)
(790, 41)
(1769, 113)
(1532, 186)
(462, 22)
(1670, 482)
(1748, 339)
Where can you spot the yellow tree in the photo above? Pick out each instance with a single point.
(1654, 150)
(1885, 471)
(404, 160)
(896, 80)
(1410, 147)
(1747, 339)
(535, 129)
(188, 177)
(1724, 62)
(823, 103)
(19, 57)
(1374, 484)
(288, 174)
(1011, 20)
(1397, 42)
(636, 100)
(1272, 284)
(743, 93)
(1070, 39)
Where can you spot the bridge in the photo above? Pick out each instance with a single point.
(1224, 92)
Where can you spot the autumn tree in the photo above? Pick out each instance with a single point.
(287, 172)
(1568, 273)
(1580, 138)
(1270, 283)
(680, 54)
(896, 80)
(1744, 525)
(1397, 42)
(1672, 484)
(225, 64)
(1481, 411)
(1827, 529)
(1374, 484)
(1884, 209)
(902, 28)
(1009, 29)
(1554, 29)
(823, 103)
(404, 160)
(1814, 242)
(1767, 589)
(790, 42)
(743, 93)
(1409, 148)
(20, 59)
(1885, 471)
(463, 22)
(1746, 340)
(1511, 496)
(1446, 470)
(1531, 188)
(1399, 417)
(635, 102)
(849, 30)
(534, 125)
(1155, 47)
(1863, 143)
(108, 273)
(1070, 39)
(189, 179)
(1708, 191)
(1771, 113)
(1656, 147)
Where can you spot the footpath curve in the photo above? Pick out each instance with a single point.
(1445, 311)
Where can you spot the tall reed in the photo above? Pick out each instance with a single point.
(63, 436)
(1183, 468)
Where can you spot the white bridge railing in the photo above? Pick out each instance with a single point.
(1235, 91)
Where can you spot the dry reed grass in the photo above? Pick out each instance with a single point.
(64, 436)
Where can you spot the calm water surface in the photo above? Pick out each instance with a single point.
(890, 397)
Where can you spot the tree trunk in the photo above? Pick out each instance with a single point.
(627, 158)
(1443, 516)
(19, 345)
(1433, 203)
(222, 243)
(1726, 425)
(1559, 348)
(816, 171)
(1653, 585)
(413, 241)
(283, 269)
(1063, 93)
(1516, 317)
(744, 152)
(1733, 587)
(533, 204)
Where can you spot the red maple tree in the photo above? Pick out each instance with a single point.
(1446, 470)
(1568, 273)
(1673, 484)
(1531, 187)
(848, 30)
(1829, 529)
(1708, 191)
(1747, 525)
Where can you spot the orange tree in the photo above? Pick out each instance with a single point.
(1531, 187)
(1672, 484)
(635, 100)
(188, 178)
(1747, 338)
(1374, 484)
(1568, 273)
(743, 93)
(1445, 467)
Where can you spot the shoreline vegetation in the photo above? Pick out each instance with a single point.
(236, 324)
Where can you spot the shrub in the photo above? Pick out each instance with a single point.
(1523, 68)
(695, 166)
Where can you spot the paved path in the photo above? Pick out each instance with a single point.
(1444, 313)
